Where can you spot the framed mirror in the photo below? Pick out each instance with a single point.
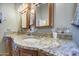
(44, 15)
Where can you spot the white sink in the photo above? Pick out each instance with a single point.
(35, 42)
(31, 40)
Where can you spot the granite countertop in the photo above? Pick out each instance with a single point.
(58, 47)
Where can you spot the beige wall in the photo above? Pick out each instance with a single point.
(11, 21)
(64, 13)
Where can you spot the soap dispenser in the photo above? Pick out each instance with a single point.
(54, 34)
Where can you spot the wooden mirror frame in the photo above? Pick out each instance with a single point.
(50, 17)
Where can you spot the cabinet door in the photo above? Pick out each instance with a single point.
(15, 51)
(27, 52)
(42, 53)
(8, 45)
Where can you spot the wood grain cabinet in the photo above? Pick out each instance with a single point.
(42, 53)
(8, 46)
(27, 52)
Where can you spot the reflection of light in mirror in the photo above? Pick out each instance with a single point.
(32, 11)
(22, 7)
(25, 5)
(23, 20)
(43, 23)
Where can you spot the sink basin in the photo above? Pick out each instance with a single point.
(31, 40)
(36, 42)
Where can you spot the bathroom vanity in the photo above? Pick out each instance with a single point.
(27, 52)
(16, 45)
(36, 45)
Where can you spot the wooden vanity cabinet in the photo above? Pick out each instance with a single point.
(8, 46)
(9, 49)
(27, 52)
(42, 53)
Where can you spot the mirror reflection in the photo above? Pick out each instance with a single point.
(42, 15)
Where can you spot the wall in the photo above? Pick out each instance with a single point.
(64, 13)
(11, 20)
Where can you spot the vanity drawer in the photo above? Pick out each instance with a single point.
(27, 52)
(42, 53)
